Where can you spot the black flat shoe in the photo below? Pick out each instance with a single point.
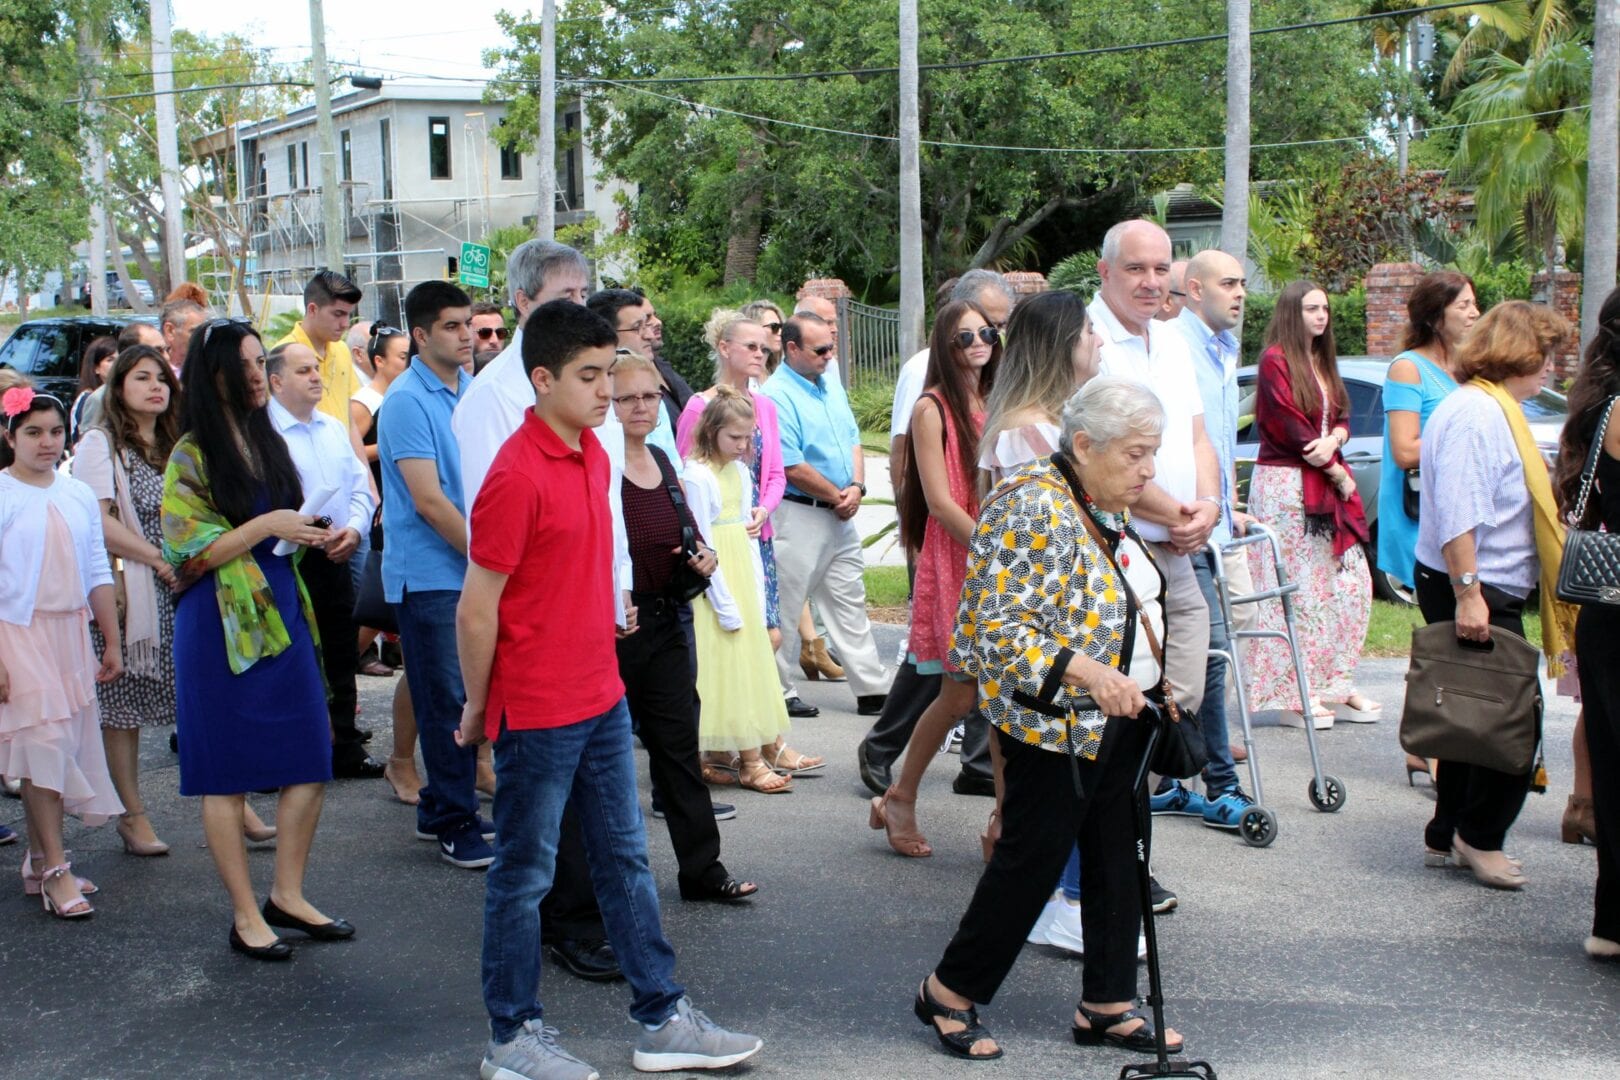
(1142, 1039)
(585, 958)
(801, 711)
(729, 891)
(365, 767)
(336, 930)
(278, 950)
(957, 1043)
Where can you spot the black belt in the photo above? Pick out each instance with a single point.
(808, 501)
(655, 604)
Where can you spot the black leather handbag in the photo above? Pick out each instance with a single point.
(1411, 492)
(1590, 573)
(685, 583)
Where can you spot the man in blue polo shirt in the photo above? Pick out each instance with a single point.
(425, 559)
(818, 550)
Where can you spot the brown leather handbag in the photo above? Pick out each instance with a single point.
(1474, 702)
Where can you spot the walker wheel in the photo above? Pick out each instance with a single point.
(1330, 798)
(1257, 826)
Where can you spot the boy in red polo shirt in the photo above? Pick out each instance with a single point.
(535, 630)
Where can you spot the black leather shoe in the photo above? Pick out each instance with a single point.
(277, 950)
(870, 704)
(336, 930)
(362, 768)
(873, 775)
(590, 959)
(968, 784)
(800, 710)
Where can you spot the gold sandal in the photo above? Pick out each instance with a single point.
(755, 775)
(784, 759)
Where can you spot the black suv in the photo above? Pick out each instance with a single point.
(49, 350)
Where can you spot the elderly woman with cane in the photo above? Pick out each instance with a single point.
(1062, 608)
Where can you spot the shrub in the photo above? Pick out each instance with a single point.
(1349, 323)
(872, 403)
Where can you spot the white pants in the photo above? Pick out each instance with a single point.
(1239, 582)
(819, 557)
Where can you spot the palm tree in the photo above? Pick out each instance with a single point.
(1602, 183)
(1526, 154)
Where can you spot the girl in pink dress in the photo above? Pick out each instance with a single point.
(52, 560)
(939, 508)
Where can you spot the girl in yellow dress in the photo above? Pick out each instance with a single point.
(742, 716)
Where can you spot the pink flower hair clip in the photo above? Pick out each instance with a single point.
(15, 402)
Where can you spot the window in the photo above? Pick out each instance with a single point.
(511, 164)
(386, 144)
(292, 167)
(1366, 408)
(438, 147)
(303, 160)
(346, 154)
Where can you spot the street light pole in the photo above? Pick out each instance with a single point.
(911, 260)
(333, 226)
(546, 220)
(174, 233)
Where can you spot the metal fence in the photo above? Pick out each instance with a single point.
(869, 343)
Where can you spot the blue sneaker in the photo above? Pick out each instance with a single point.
(1227, 810)
(466, 848)
(1177, 799)
(486, 829)
(7, 835)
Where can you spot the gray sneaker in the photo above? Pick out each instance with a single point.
(690, 1040)
(533, 1055)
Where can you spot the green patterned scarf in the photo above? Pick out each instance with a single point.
(191, 523)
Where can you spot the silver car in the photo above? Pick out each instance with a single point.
(1364, 453)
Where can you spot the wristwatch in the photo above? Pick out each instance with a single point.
(1465, 581)
(860, 487)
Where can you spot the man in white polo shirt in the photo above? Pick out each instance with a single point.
(1183, 505)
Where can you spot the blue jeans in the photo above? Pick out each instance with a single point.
(535, 772)
(357, 561)
(1220, 775)
(427, 635)
(1070, 881)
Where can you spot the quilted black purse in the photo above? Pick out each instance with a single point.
(1590, 573)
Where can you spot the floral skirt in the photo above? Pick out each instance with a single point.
(767, 558)
(1331, 609)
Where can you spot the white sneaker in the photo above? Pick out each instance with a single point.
(1037, 933)
(1064, 930)
(1141, 948)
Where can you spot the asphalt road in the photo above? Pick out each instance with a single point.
(1333, 953)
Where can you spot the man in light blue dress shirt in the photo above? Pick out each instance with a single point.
(1215, 286)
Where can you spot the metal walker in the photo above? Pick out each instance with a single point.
(1258, 825)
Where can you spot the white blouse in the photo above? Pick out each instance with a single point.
(22, 540)
(703, 499)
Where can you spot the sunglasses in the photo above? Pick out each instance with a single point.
(380, 333)
(987, 334)
(486, 332)
(824, 350)
(773, 327)
(215, 324)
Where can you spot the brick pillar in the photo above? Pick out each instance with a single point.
(1027, 282)
(831, 288)
(1388, 285)
(1561, 291)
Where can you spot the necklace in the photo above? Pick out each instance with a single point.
(1113, 522)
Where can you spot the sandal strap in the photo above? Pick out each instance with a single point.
(1101, 1022)
(972, 1031)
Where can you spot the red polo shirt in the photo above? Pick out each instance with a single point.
(542, 519)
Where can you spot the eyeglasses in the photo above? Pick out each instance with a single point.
(750, 346)
(773, 327)
(215, 324)
(1173, 292)
(824, 350)
(486, 332)
(638, 401)
(636, 327)
(987, 334)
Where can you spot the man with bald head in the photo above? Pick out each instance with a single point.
(1215, 286)
(1175, 296)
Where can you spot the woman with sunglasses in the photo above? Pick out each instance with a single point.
(739, 345)
(769, 316)
(939, 505)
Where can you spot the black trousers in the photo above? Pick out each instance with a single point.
(569, 910)
(331, 594)
(1597, 653)
(1042, 818)
(909, 696)
(1475, 803)
(657, 668)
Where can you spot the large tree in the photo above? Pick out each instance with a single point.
(712, 177)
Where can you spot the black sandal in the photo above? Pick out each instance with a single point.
(729, 891)
(958, 1043)
(1142, 1039)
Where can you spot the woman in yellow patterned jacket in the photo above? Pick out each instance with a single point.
(1055, 610)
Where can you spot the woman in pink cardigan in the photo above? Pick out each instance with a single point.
(739, 350)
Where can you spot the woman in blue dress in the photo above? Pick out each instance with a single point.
(1440, 311)
(250, 701)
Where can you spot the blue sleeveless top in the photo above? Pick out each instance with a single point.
(1397, 533)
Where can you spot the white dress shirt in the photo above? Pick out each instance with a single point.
(907, 389)
(325, 458)
(492, 409)
(1163, 365)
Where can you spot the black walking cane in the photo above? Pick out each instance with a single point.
(1162, 1066)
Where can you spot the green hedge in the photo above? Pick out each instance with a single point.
(1349, 323)
(684, 307)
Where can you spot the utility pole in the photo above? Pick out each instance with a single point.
(333, 227)
(1235, 203)
(96, 165)
(174, 232)
(1602, 167)
(545, 226)
(911, 257)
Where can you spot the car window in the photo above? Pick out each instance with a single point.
(1546, 406)
(1366, 408)
(56, 356)
(18, 351)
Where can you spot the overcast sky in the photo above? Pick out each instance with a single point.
(389, 37)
